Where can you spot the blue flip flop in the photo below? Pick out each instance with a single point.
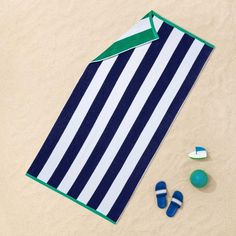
(161, 193)
(175, 204)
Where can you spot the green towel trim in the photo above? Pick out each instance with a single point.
(142, 38)
(130, 42)
(71, 198)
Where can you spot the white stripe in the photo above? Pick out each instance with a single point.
(103, 118)
(76, 120)
(157, 23)
(176, 201)
(140, 26)
(132, 113)
(161, 191)
(150, 128)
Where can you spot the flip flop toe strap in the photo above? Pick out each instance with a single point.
(161, 192)
(177, 201)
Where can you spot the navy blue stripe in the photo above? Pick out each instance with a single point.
(133, 180)
(90, 118)
(63, 119)
(141, 120)
(120, 111)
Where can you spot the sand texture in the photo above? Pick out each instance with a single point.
(44, 48)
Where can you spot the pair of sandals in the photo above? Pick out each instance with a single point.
(176, 201)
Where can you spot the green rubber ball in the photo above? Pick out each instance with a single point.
(199, 178)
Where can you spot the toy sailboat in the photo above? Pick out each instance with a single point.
(199, 153)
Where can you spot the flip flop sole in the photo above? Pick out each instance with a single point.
(175, 204)
(161, 193)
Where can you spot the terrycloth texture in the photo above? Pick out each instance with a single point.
(118, 114)
(45, 46)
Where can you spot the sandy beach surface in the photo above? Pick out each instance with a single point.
(44, 48)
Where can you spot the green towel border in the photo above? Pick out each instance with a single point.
(142, 38)
(71, 198)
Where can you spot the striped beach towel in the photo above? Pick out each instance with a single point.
(118, 114)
